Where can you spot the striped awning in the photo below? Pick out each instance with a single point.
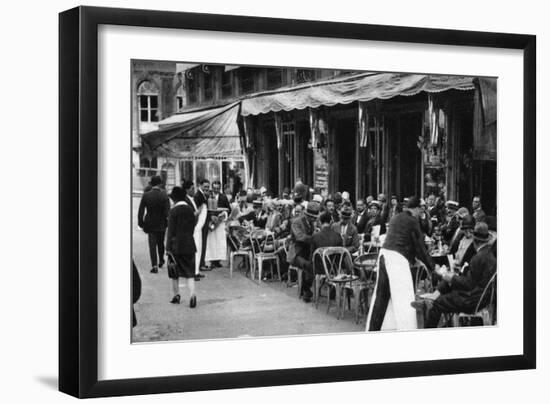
(200, 134)
(361, 87)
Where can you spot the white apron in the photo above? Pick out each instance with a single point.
(400, 315)
(216, 244)
(197, 236)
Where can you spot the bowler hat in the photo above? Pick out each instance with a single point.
(257, 203)
(481, 232)
(313, 209)
(467, 222)
(413, 202)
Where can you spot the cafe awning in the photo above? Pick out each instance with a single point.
(207, 133)
(361, 87)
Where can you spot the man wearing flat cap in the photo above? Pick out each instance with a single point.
(301, 232)
(461, 292)
(390, 308)
(347, 230)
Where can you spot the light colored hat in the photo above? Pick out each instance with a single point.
(452, 205)
(318, 198)
(345, 196)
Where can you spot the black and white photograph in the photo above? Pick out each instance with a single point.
(273, 201)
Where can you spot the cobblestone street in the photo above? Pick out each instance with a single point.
(226, 307)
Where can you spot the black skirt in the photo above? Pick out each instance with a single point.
(184, 266)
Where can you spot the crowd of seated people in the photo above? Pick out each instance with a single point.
(312, 218)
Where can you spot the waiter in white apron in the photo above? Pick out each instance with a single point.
(200, 219)
(391, 308)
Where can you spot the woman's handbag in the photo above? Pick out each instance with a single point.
(172, 266)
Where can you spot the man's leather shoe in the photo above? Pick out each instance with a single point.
(154, 270)
(161, 263)
(199, 277)
(193, 302)
(175, 299)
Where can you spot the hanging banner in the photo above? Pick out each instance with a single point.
(363, 124)
(433, 120)
(279, 129)
(314, 126)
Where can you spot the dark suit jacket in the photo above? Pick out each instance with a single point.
(300, 232)
(465, 291)
(200, 198)
(360, 223)
(153, 210)
(188, 200)
(470, 251)
(404, 236)
(351, 239)
(327, 237)
(181, 224)
(374, 221)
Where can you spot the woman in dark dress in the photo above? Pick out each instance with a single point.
(181, 245)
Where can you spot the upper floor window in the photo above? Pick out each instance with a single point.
(305, 75)
(180, 98)
(246, 75)
(227, 85)
(148, 102)
(192, 81)
(274, 78)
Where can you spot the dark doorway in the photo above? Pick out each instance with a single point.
(409, 161)
(271, 159)
(345, 144)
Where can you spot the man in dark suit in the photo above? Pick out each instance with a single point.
(462, 292)
(330, 207)
(463, 248)
(201, 198)
(152, 218)
(361, 217)
(327, 237)
(301, 232)
(347, 230)
(181, 245)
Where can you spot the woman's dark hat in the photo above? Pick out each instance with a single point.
(313, 209)
(481, 232)
(178, 194)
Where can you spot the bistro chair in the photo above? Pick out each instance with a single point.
(236, 238)
(364, 267)
(336, 275)
(263, 249)
(485, 308)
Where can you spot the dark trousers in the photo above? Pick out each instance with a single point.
(307, 274)
(382, 297)
(203, 250)
(450, 302)
(156, 247)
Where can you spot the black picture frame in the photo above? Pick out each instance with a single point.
(78, 180)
